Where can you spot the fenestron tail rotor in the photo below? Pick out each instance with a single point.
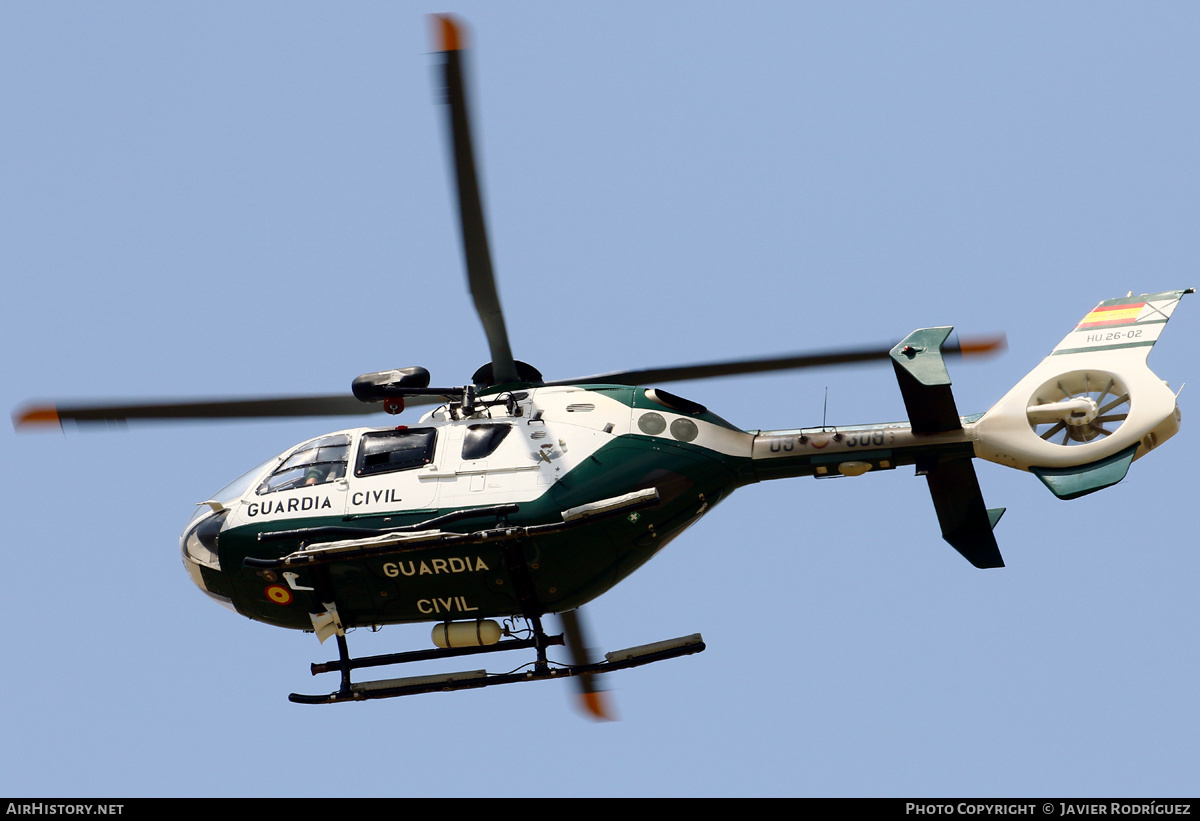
(1079, 407)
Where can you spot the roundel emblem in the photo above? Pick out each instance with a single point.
(279, 594)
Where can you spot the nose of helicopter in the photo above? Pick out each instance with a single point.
(199, 547)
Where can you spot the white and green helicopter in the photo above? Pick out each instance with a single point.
(516, 497)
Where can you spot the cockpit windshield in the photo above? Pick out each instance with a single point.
(313, 463)
(234, 490)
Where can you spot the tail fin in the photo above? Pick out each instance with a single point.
(1092, 406)
(965, 520)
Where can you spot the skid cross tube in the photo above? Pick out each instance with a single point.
(427, 655)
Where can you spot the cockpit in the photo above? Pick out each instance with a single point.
(315, 462)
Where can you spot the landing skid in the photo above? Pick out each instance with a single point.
(540, 670)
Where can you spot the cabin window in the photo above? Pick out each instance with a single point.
(313, 463)
(391, 450)
(481, 441)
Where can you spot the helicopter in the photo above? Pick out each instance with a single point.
(517, 497)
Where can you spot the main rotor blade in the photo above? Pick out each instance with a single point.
(709, 370)
(592, 697)
(480, 277)
(293, 406)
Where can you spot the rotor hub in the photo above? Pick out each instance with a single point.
(1078, 407)
(1082, 413)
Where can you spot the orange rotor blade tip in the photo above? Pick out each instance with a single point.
(597, 706)
(37, 416)
(449, 32)
(983, 344)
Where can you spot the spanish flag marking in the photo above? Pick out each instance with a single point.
(1103, 317)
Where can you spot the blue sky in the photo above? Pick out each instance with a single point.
(219, 199)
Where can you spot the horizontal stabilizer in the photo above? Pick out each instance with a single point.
(966, 522)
